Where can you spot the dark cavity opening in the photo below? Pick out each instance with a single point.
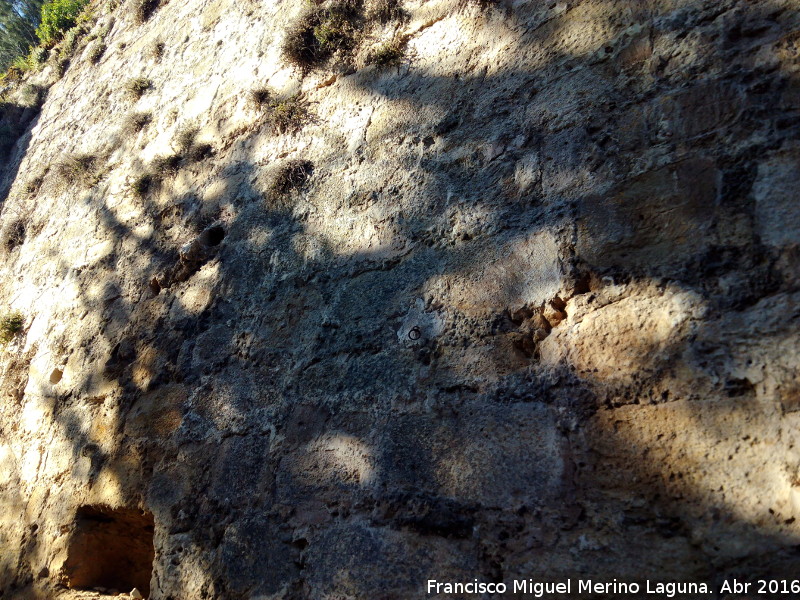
(111, 548)
(212, 236)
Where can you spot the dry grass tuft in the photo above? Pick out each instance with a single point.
(284, 115)
(323, 31)
(135, 88)
(260, 98)
(96, 52)
(293, 175)
(135, 122)
(199, 152)
(79, 170)
(185, 138)
(144, 9)
(389, 54)
(14, 235)
(385, 11)
(164, 166)
(143, 185)
(156, 51)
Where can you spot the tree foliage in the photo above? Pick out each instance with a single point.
(57, 17)
(18, 22)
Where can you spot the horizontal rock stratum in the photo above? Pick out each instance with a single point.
(324, 301)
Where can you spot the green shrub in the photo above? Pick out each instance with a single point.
(70, 42)
(32, 61)
(32, 96)
(61, 66)
(21, 64)
(10, 325)
(58, 16)
(102, 32)
(38, 55)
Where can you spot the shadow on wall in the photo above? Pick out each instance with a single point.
(16, 120)
(560, 358)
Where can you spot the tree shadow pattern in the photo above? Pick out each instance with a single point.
(307, 419)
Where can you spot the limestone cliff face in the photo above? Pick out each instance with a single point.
(523, 303)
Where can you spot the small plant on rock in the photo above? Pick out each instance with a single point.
(79, 170)
(323, 31)
(10, 325)
(293, 175)
(188, 148)
(384, 11)
(144, 9)
(135, 122)
(288, 115)
(389, 54)
(70, 43)
(33, 186)
(14, 235)
(32, 61)
(199, 152)
(32, 96)
(60, 66)
(185, 137)
(143, 185)
(135, 88)
(164, 166)
(260, 98)
(156, 51)
(96, 52)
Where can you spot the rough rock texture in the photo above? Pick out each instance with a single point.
(532, 311)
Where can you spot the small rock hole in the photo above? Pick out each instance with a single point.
(56, 376)
(212, 236)
(155, 287)
(301, 543)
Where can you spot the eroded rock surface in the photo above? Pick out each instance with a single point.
(532, 311)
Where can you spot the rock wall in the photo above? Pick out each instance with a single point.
(523, 303)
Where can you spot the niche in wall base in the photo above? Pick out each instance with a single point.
(110, 548)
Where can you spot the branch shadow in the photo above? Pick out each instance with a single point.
(291, 436)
